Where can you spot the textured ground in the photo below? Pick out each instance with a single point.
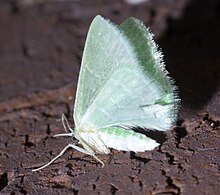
(41, 46)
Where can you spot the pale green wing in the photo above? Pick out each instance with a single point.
(115, 87)
(106, 51)
(151, 60)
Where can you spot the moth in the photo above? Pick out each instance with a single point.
(122, 84)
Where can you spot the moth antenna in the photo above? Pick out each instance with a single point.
(66, 124)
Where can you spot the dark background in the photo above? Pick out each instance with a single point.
(41, 45)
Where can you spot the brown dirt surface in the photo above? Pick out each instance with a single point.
(41, 44)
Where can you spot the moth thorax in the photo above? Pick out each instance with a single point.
(87, 130)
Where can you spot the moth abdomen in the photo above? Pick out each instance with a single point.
(126, 140)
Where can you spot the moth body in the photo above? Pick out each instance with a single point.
(94, 141)
(117, 138)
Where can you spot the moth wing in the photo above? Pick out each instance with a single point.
(152, 63)
(106, 50)
(115, 87)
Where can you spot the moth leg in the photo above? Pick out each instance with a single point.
(94, 156)
(64, 150)
(91, 152)
(64, 134)
(59, 155)
(85, 151)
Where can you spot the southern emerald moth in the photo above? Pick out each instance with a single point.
(122, 84)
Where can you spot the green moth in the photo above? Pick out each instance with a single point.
(122, 84)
